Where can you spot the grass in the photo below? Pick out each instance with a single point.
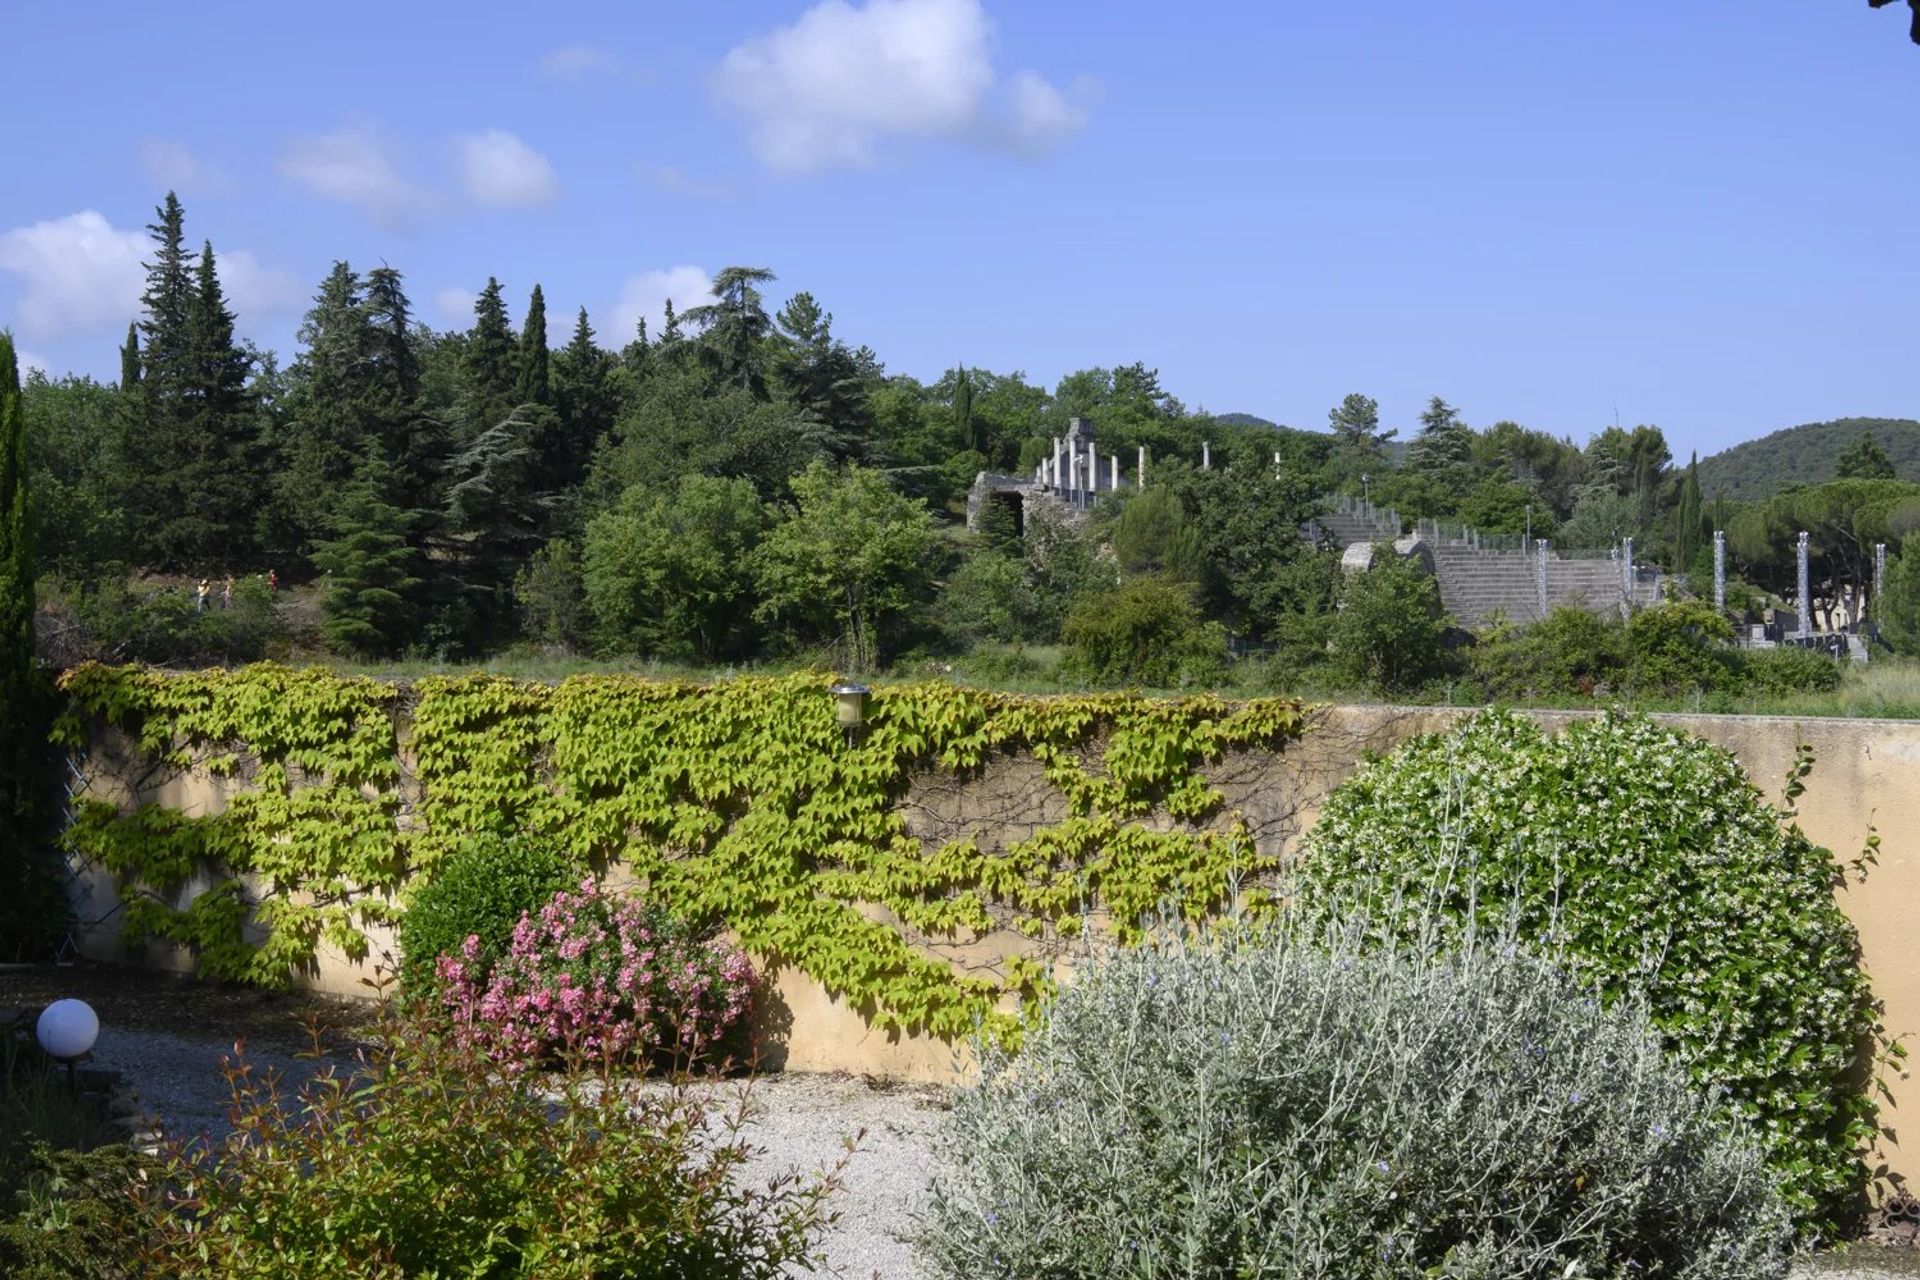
(35, 1104)
(1886, 689)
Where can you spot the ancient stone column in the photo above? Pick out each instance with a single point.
(1720, 569)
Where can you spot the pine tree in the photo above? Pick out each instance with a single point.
(492, 361)
(1864, 459)
(370, 566)
(326, 431)
(734, 328)
(638, 354)
(535, 385)
(1444, 448)
(588, 402)
(216, 455)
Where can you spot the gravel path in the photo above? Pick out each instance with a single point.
(799, 1121)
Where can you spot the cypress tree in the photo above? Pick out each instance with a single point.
(970, 433)
(29, 909)
(130, 358)
(536, 380)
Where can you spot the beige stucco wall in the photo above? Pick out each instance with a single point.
(1867, 774)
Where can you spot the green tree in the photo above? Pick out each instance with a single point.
(1897, 612)
(668, 571)
(734, 328)
(1146, 631)
(25, 913)
(683, 422)
(1864, 459)
(492, 362)
(822, 379)
(1442, 453)
(1153, 535)
(1390, 632)
(535, 383)
(850, 562)
(77, 457)
(372, 570)
(1689, 518)
(588, 400)
(550, 593)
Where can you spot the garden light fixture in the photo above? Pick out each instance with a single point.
(67, 1030)
(850, 705)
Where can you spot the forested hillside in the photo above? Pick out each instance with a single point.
(1808, 454)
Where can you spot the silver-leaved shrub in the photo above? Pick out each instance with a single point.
(1293, 1105)
(1646, 860)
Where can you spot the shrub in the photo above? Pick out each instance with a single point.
(1147, 631)
(1569, 653)
(480, 892)
(70, 1215)
(595, 973)
(1266, 1106)
(429, 1161)
(1787, 670)
(1650, 860)
(1390, 634)
(1683, 647)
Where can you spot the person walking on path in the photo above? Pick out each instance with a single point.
(226, 593)
(200, 596)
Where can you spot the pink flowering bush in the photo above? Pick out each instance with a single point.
(600, 976)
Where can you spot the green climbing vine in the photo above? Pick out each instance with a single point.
(740, 802)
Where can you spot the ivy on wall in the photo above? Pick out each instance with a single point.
(739, 802)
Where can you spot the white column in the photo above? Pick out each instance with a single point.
(1806, 618)
(1073, 465)
(1140, 474)
(1206, 455)
(1113, 473)
(1719, 569)
(1056, 462)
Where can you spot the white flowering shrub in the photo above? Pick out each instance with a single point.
(1644, 860)
(1272, 1106)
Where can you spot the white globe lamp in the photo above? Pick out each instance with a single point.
(67, 1029)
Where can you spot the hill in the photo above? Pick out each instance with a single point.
(1808, 454)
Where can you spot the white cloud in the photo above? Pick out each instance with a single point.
(253, 288)
(575, 63)
(647, 294)
(455, 304)
(80, 271)
(1039, 117)
(842, 80)
(352, 166)
(496, 167)
(173, 165)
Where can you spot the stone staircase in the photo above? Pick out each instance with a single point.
(1476, 584)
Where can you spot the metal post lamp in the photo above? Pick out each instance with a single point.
(850, 707)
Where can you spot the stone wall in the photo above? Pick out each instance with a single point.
(1867, 775)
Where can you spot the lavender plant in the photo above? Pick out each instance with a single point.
(1285, 1104)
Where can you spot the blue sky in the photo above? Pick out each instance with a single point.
(1698, 215)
